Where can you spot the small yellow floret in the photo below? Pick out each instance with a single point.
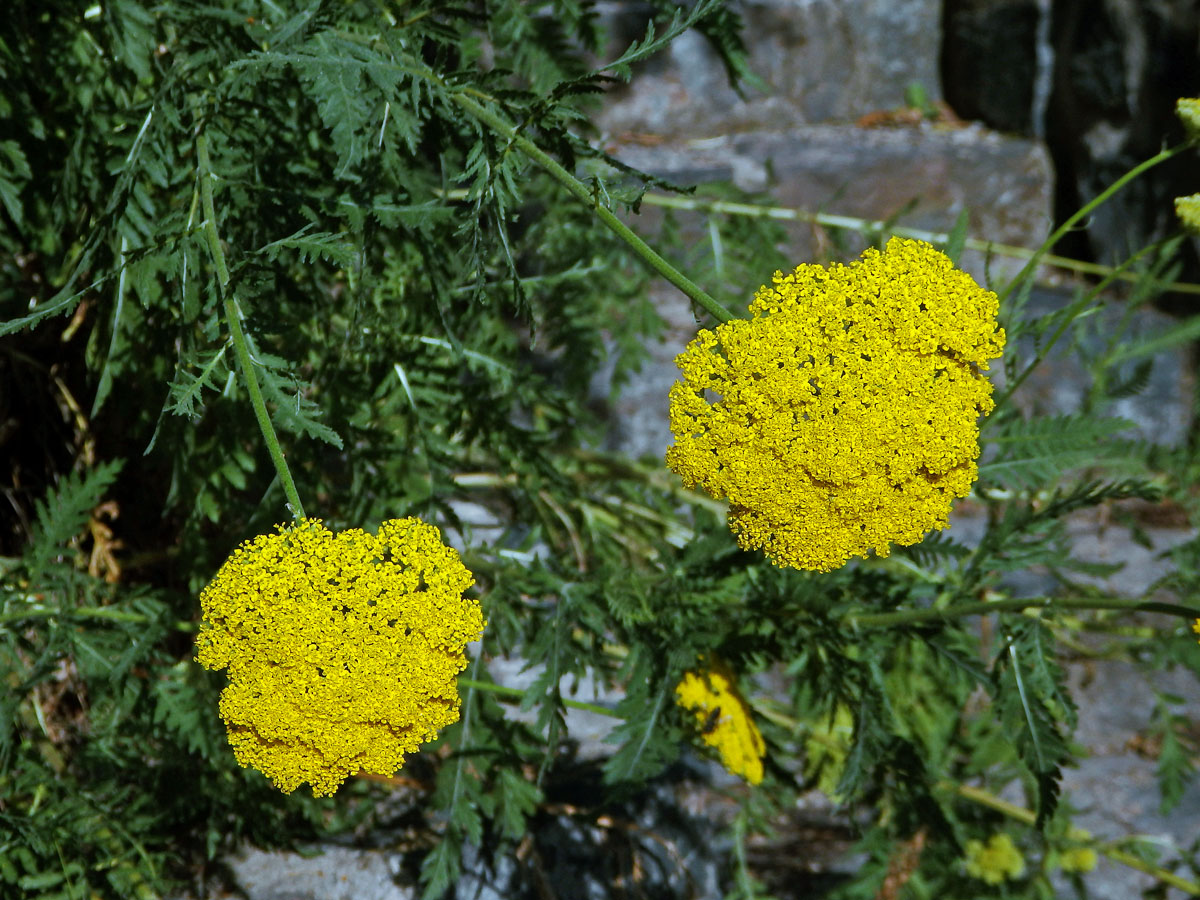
(1078, 859)
(724, 720)
(1188, 110)
(846, 408)
(342, 649)
(1188, 211)
(997, 861)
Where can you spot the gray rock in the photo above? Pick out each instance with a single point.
(336, 873)
(822, 60)
(874, 174)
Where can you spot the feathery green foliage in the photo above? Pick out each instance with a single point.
(377, 240)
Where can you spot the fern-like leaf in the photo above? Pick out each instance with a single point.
(1037, 452)
(645, 749)
(65, 511)
(313, 245)
(1030, 696)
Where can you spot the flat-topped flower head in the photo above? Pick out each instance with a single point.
(846, 408)
(723, 719)
(342, 650)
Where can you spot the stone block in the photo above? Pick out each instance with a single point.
(822, 60)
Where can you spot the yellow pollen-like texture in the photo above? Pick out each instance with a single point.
(723, 719)
(996, 861)
(342, 649)
(844, 413)
(1188, 211)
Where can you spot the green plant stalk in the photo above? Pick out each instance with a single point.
(518, 693)
(1047, 345)
(579, 190)
(1086, 209)
(854, 223)
(982, 608)
(240, 345)
(983, 798)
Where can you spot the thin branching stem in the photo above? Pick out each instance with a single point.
(1014, 604)
(878, 226)
(580, 191)
(1086, 210)
(518, 694)
(240, 345)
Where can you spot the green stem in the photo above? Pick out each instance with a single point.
(240, 344)
(876, 226)
(581, 192)
(517, 693)
(911, 616)
(1021, 814)
(1052, 341)
(1085, 210)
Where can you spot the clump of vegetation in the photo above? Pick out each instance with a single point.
(361, 261)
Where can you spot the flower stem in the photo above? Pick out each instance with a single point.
(240, 344)
(1085, 210)
(912, 616)
(581, 192)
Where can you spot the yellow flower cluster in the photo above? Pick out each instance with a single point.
(847, 406)
(341, 649)
(1188, 211)
(723, 719)
(996, 861)
(1078, 859)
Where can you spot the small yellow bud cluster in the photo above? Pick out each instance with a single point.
(1188, 208)
(342, 649)
(1188, 211)
(847, 408)
(996, 861)
(723, 719)
(1188, 110)
(1078, 859)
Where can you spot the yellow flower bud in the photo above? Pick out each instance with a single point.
(1078, 859)
(996, 861)
(1188, 211)
(1188, 110)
